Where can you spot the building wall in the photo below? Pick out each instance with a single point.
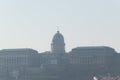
(15, 59)
(75, 63)
(93, 58)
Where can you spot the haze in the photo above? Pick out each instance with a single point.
(32, 23)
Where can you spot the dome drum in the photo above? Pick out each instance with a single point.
(58, 45)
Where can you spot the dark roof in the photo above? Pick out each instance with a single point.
(93, 49)
(18, 51)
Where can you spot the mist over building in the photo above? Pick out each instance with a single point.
(81, 63)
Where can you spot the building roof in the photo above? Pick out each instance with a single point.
(58, 37)
(95, 47)
(93, 50)
(18, 51)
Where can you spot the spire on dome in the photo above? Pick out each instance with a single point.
(58, 29)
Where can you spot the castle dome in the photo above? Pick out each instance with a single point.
(58, 45)
(58, 38)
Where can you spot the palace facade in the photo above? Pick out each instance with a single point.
(81, 63)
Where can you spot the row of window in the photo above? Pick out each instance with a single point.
(87, 60)
(14, 60)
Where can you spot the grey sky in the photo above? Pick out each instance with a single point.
(32, 23)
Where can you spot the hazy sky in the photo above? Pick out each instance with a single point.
(32, 23)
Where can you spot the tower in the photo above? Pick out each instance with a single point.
(58, 45)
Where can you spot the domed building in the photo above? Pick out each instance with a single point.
(81, 63)
(58, 44)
